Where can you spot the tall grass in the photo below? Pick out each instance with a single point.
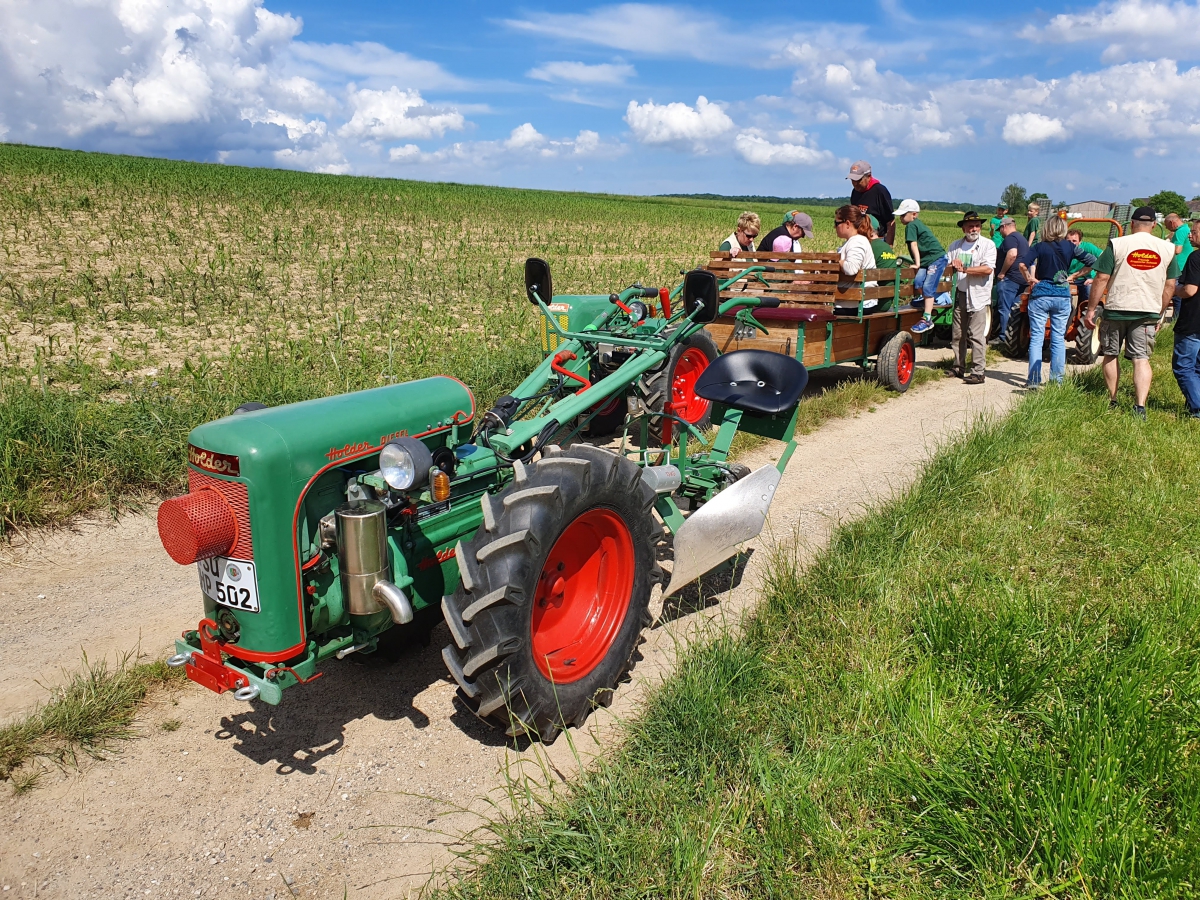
(988, 687)
(141, 297)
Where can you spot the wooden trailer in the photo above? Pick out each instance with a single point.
(804, 324)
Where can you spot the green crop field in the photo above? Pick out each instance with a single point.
(139, 297)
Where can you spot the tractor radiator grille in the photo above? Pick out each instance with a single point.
(238, 498)
(549, 338)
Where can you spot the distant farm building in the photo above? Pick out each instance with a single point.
(1090, 209)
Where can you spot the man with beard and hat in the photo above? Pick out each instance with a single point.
(973, 259)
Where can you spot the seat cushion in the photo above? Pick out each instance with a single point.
(791, 314)
(755, 381)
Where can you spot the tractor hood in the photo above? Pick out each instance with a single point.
(302, 438)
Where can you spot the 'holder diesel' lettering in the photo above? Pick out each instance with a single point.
(217, 463)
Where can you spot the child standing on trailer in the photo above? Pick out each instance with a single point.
(928, 256)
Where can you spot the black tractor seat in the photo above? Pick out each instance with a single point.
(755, 381)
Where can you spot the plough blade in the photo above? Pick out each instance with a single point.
(716, 530)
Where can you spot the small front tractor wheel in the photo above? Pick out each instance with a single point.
(675, 382)
(897, 362)
(554, 592)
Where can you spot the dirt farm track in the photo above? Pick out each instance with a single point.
(344, 790)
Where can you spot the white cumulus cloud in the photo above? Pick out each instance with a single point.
(395, 114)
(1129, 28)
(791, 150)
(1032, 128)
(583, 73)
(678, 123)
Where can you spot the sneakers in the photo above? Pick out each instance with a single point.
(973, 379)
(943, 299)
(923, 326)
(1140, 412)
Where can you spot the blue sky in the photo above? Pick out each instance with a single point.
(1081, 102)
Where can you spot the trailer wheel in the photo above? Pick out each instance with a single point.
(610, 417)
(554, 592)
(897, 362)
(676, 382)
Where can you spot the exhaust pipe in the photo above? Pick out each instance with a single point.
(395, 600)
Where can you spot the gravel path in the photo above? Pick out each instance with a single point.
(359, 784)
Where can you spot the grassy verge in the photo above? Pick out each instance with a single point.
(94, 708)
(987, 687)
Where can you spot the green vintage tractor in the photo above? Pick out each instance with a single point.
(319, 526)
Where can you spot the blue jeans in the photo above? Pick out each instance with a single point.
(1185, 363)
(1008, 294)
(927, 277)
(1053, 302)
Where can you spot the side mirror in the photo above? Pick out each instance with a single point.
(537, 280)
(701, 292)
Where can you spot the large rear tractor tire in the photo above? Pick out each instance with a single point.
(897, 362)
(1014, 343)
(1087, 343)
(554, 592)
(676, 382)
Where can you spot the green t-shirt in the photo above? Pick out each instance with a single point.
(1032, 227)
(885, 256)
(1077, 266)
(997, 237)
(1182, 239)
(1105, 265)
(928, 245)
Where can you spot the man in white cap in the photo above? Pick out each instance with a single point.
(869, 195)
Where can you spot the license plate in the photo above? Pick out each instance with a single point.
(229, 582)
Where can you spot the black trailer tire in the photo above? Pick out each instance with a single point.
(574, 508)
(1014, 343)
(897, 362)
(675, 381)
(610, 418)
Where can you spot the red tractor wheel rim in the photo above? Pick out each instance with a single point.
(905, 362)
(684, 401)
(582, 596)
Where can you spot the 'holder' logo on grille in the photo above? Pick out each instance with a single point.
(217, 463)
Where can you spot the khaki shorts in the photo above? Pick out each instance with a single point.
(1138, 336)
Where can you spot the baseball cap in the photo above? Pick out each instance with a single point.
(874, 222)
(1145, 214)
(907, 206)
(1001, 206)
(1007, 220)
(782, 244)
(803, 219)
(859, 169)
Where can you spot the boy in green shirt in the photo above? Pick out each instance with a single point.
(929, 256)
(1077, 273)
(1034, 225)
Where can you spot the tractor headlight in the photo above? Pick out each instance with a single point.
(404, 463)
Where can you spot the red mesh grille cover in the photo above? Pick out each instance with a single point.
(238, 498)
(196, 526)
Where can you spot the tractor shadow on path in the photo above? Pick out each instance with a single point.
(297, 736)
(707, 592)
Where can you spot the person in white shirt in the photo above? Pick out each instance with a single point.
(973, 260)
(854, 227)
